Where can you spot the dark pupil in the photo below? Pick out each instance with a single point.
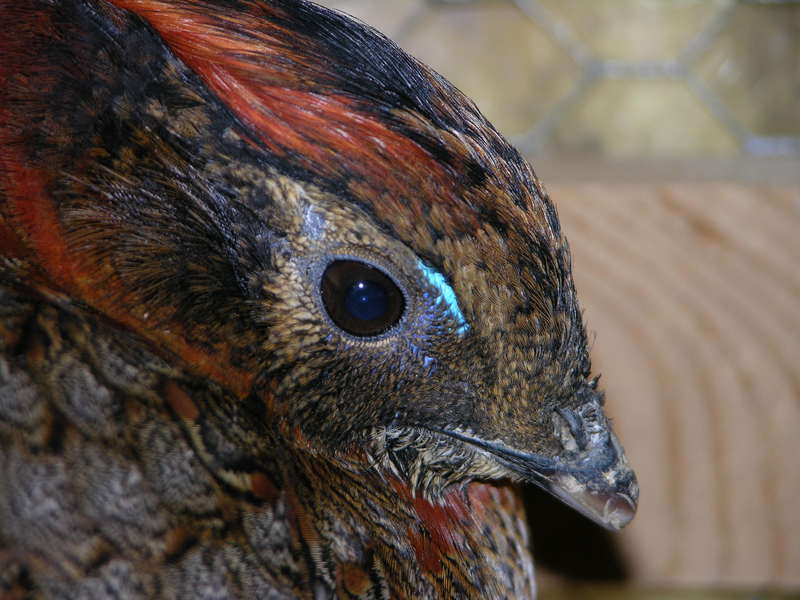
(361, 299)
(366, 300)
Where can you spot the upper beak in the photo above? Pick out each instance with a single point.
(591, 474)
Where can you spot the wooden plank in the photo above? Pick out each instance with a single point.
(693, 291)
(595, 592)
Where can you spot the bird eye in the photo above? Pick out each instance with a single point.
(360, 299)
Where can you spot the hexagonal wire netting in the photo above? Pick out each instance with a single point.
(618, 77)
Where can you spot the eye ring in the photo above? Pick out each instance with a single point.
(361, 299)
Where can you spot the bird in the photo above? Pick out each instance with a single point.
(282, 315)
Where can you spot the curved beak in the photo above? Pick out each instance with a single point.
(602, 487)
(591, 474)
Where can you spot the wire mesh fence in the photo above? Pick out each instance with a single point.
(615, 77)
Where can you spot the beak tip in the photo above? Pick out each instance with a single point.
(613, 507)
(616, 507)
(618, 510)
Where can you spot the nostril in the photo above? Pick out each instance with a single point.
(577, 429)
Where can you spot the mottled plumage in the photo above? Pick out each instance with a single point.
(181, 412)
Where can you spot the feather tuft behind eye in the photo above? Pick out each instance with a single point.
(361, 299)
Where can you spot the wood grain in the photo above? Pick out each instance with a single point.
(693, 292)
(607, 592)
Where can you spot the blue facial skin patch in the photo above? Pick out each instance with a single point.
(447, 294)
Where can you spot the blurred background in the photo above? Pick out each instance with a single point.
(668, 134)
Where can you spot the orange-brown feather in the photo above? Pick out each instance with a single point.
(242, 59)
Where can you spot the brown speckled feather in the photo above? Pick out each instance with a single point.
(184, 409)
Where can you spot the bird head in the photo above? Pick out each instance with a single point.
(298, 211)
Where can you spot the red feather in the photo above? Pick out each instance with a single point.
(274, 88)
